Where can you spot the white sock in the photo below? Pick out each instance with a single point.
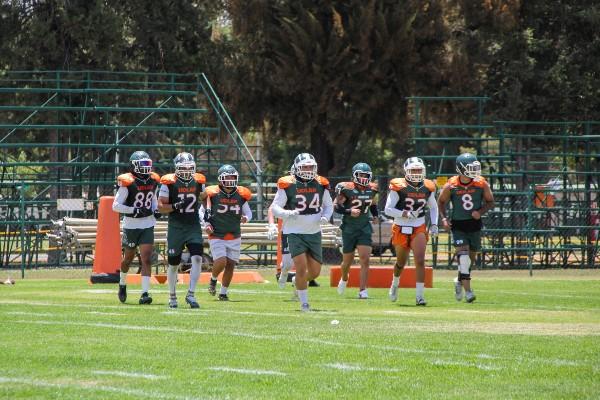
(123, 278)
(420, 289)
(195, 272)
(145, 284)
(303, 295)
(172, 279)
(396, 281)
(223, 289)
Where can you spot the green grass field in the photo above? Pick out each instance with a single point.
(524, 338)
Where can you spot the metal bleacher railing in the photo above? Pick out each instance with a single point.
(544, 176)
(66, 135)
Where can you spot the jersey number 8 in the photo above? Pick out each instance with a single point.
(143, 200)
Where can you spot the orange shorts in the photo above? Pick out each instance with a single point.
(404, 239)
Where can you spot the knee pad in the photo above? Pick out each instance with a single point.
(174, 260)
(464, 262)
(196, 249)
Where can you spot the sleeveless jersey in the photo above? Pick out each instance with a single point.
(189, 191)
(141, 192)
(357, 196)
(412, 198)
(306, 197)
(465, 198)
(226, 211)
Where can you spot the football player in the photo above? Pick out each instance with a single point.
(470, 197)
(226, 208)
(354, 201)
(303, 202)
(407, 201)
(180, 196)
(136, 200)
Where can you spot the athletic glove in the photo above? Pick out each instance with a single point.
(324, 220)
(141, 212)
(181, 204)
(433, 230)
(207, 214)
(272, 231)
(157, 214)
(410, 214)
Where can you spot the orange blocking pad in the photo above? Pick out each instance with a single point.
(381, 277)
(238, 277)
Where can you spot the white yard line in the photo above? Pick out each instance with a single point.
(467, 364)
(359, 368)
(34, 314)
(115, 326)
(129, 374)
(92, 386)
(104, 313)
(247, 371)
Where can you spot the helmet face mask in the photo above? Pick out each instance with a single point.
(228, 176)
(185, 166)
(414, 170)
(468, 165)
(361, 174)
(305, 166)
(141, 163)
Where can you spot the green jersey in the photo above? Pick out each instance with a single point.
(357, 197)
(306, 197)
(226, 211)
(176, 190)
(465, 198)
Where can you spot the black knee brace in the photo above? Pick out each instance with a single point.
(174, 260)
(195, 249)
(464, 277)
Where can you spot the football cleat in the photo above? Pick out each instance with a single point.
(145, 298)
(305, 307)
(341, 286)
(313, 283)
(172, 303)
(191, 300)
(421, 301)
(393, 293)
(223, 297)
(212, 287)
(363, 294)
(470, 296)
(458, 290)
(122, 293)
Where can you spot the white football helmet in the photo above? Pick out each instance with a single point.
(305, 166)
(185, 166)
(414, 170)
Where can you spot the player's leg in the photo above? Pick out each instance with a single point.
(474, 240)
(226, 280)
(347, 259)
(363, 244)
(196, 250)
(418, 245)
(232, 258)
(219, 254)
(286, 261)
(460, 241)
(129, 244)
(175, 243)
(146, 250)
(401, 243)
(348, 247)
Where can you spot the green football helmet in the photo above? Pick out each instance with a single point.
(227, 176)
(185, 166)
(467, 165)
(141, 163)
(362, 174)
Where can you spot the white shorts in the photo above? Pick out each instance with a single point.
(225, 248)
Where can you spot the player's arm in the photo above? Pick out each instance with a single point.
(390, 205)
(433, 209)
(246, 213)
(338, 205)
(272, 229)
(374, 209)
(119, 201)
(278, 203)
(327, 211)
(163, 201)
(488, 202)
(442, 202)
